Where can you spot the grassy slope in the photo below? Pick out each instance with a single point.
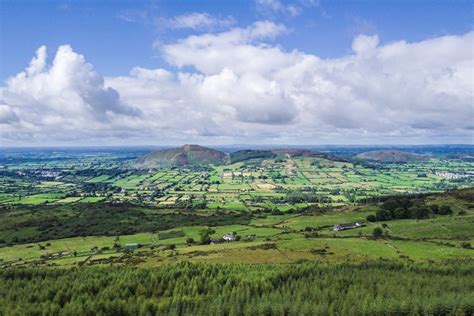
(279, 239)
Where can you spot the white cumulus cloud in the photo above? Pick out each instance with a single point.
(245, 88)
(66, 97)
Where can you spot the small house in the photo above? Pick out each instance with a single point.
(228, 237)
(340, 227)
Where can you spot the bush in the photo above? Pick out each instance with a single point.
(206, 235)
(311, 235)
(169, 247)
(371, 218)
(420, 212)
(276, 212)
(462, 212)
(445, 210)
(377, 232)
(466, 245)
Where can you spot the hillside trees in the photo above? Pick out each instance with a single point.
(207, 289)
(404, 208)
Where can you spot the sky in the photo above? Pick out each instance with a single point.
(303, 72)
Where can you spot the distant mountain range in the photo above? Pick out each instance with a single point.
(195, 155)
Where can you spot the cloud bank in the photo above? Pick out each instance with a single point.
(244, 88)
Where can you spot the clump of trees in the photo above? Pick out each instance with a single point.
(99, 187)
(403, 208)
(205, 235)
(304, 195)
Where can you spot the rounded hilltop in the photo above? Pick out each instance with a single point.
(188, 154)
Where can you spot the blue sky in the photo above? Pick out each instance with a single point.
(113, 45)
(143, 62)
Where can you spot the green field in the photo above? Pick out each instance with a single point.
(285, 238)
(279, 183)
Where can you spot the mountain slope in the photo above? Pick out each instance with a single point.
(243, 155)
(247, 154)
(391, 156)
(193, 155)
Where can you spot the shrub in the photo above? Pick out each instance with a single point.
(319, 251)
(420, 212)
(276, 212)
(206, 235)
(311, 235)
(377, 232)
(169, 247)
(371, 218)
(445, 210)
(265, 246)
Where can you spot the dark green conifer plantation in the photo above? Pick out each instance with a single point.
(372, 288)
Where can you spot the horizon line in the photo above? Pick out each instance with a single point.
(235, 145)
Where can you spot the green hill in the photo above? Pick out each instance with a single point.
(193, 155)
(243, 155)
(391, 156)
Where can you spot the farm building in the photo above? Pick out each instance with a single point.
(340, 227)
(228, 237)
(131, 246)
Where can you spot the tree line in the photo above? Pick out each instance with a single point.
(404, 207)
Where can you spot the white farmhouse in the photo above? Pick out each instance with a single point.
(228, 237)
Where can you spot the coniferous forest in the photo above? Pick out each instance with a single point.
(370, 288)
